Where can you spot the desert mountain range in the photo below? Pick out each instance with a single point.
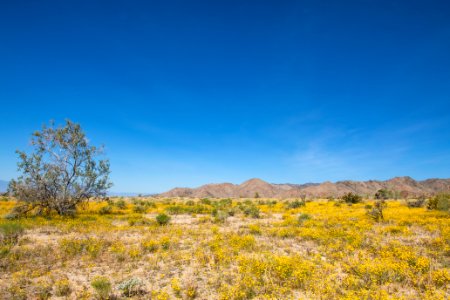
(404, 186)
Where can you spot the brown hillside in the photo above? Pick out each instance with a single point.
(405, 185)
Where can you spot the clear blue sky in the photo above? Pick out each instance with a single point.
(183, 93)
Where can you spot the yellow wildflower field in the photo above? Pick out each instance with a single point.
(226, 249)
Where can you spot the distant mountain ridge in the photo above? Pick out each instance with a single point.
(404, 186)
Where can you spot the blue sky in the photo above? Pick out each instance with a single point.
(184, 93)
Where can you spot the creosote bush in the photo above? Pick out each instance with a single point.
(296, 204)
(303, 217)
(419, 202)
(10, 233)
(250, 209)
(102, 287)
(139, 209)
(163, 219)
(352, 198)
(62, 288)
(105, 210)
(120, 204)
(439, 202)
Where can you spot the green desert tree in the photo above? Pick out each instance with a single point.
(62, 171)
(384, 194)
(352, 198)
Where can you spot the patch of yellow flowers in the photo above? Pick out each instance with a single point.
(318, 251)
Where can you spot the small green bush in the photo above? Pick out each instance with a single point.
(105, 210)
(252, 211)
(138, 221)
(131, 287)
(295, 204)
(120, 204)
(139, 209)
(352, 198)
(62, 288)
(439, 202)
(10, 233)
(232, 211)
(162, 219)
(221, 216)
(205, 201)
(303, 217)
(102, 287)
(376, 213)
(177, 209)
(416, 202)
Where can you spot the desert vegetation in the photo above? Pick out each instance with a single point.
(175, 248)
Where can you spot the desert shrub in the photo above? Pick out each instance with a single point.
(222, 203)
(205, 201)
(439, 202)
(376, 213)
(190, 289)
(352, 198)
(221, 216)
(165, 243)
(144, 203)
(295, 204)
(62, 288)
(74, 247)
(251, 210)
(10, 233)
(139, 221)
(199, 209)
(226, 201)
(11, 216)
(303, 217)
(120, 204)
(190, 203)
(43, 290)
(102, 286)
(150, 245)
(175, 209)
(254, 229)
(214, 212)
(384, 194)
(149, 204)
(131, 287)
(176, 287)
(188, 209)
(105, 210)
(232, 211)
(139, 209)
(162, 219)
(419, 202)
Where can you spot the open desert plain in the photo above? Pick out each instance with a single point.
(227, 248)
(225, 150)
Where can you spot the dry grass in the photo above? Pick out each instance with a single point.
(220, 250)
